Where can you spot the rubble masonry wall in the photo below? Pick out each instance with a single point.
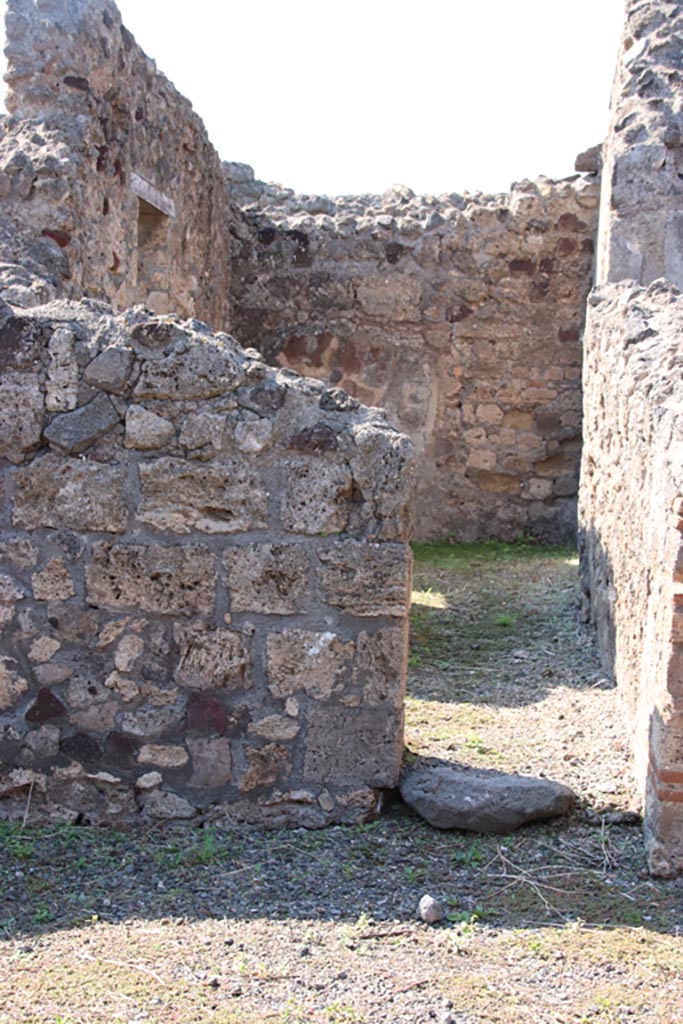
(631, 481)
(461, 315)
(204, 578)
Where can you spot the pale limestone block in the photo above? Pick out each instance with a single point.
(362, 746)
(146, 430)
(316, 497)
(203, 429)
(211, 659)
(326, 800)
(42, 649)
(490, 414)
(150, 780)
(52, 674)
(124, 686)
(152, 578)
(10, 593)
(58, 491)
(164, 756)
(264, 766)
(538, 489)
(147, 722)
(62, 372)
(365, 578)
(98, 718)
(211, 762)
(114, 629)
(129, 649)
(381, 665)
(274, 727)
(53, 583)
(269, 578)
(21, 415)
(215, 497)
(157, 696)
(481, 459)
(253, 435)
(297, 659)
(159, 804)
(190, 370)
(391, 297)
(12, 685)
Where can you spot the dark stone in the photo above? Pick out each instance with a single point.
(47, 706)
(77, 82)
(206, 715)
(320, 438)
(521, 266)
(238, 719)
(569, 334)
(156, 334)
(337, 400)
(17, 341)
(539, 289)
(589, 161)
(81, 747)
(547, 265)
(76, 431)
(102, 152)
(570, 222)
(62, 238)
(263, 398)
(566, 246)
(459, 313)
(393, 251)
(451, 797)
(267, 236)
(120, 750)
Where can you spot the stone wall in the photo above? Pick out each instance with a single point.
(641, 220)
(461, 315)
(204, 578)
(631, 521)
(106, 171)
(631, 502)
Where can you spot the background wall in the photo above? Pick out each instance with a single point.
(461, 315)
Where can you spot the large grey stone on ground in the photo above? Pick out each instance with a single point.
(450, 797)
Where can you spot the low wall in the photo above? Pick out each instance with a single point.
(631, 530)
(461, 315)
(204, 578)
(106, 165)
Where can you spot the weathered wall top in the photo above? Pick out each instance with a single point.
(641, 223)
(104, 160)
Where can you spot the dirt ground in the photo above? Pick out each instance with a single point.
(556, 924)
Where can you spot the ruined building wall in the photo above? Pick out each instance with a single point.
(632, 541)
(641, 221)
(632, 479)
(204, 578)
(462, 316)
(106, 170)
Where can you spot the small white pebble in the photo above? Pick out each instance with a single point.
(430, 910)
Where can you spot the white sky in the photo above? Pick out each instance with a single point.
(440, 95)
